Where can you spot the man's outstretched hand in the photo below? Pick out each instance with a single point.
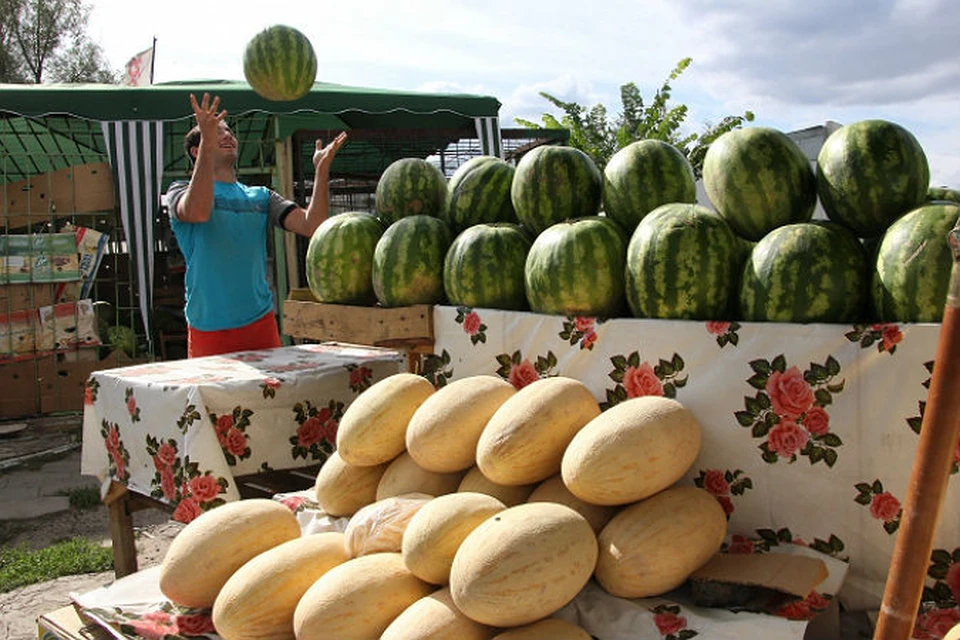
(323, 156)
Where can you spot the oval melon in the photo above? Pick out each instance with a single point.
(435, 617)
(435, 532)
(523, 564)
(525, 438)
(257, 602)
(654, 545)
(342, 489)
(509, 495)
(358, 599)
(553, 490)
(379, 527)
(631, 451)
(373, 428)
(404, 475)
(213, 546)
(553, 628)
(443, 432)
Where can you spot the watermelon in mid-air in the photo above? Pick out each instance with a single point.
(280, 63)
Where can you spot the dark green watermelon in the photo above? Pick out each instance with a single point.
(484, 267)
(410, 187)
(642, 176)
(913, 265)
(870, 173)
(576, 268)
(805, 272)
(408, 261)
(552, 184)
(479, 192)
(680, 264)
(758, 179)
(339, 259)
(280, 64)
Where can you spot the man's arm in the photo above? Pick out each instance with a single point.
(196, 204)
(305, 221)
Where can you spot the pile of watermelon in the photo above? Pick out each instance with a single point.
(556, 235)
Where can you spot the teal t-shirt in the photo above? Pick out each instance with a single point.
(226, 282)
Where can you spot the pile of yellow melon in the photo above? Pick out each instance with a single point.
(475, 511)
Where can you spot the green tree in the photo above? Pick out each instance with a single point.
(47, 40)
(598, 135)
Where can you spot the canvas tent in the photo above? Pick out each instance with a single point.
(139, 131)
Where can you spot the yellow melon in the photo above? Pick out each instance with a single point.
(524, 440)
(523, 564)
(953, 634)
(373, 427)
(404, 475)
(511, 496)
(435, 617)
(435, 532)
(379, 527)
(654, 545)
(553, 628)
(358, 599)
(553, 490)
(203, 556)
(442, 434)
(342, 489)
(631, 451)
(257, 602)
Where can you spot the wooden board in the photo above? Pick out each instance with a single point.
(377, 326)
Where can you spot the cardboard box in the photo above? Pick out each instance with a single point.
(66, 624)
(62, 379)
(85, 188)
(31, 295)
(67, 325)
(39, 257)
(21, 390)
(18, 333)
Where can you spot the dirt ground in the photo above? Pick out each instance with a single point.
(20, 608)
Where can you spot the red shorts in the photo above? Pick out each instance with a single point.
(260, 334)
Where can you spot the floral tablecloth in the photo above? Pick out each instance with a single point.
(809, 430)
(180, 431)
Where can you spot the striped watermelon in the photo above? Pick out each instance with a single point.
(280, 63)
(943, 193)
(410, 187)
(484, 267)
(339, 260)
(478, 192)
(914, 260)
(408, 262)
(870, 173)
(642, 176)
(576, 268)
(758, 179)
(805, 272)
(680, 264)
(553, 184)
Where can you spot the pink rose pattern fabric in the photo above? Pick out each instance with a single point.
(180, 482)
(671, 623)
(316, 437)
(940, 603)
(635, 378)
(520, 371)
(724, 332)
(724, 485)
(788, 413)
(164, 621)
(231, 430)
(885, 336)
(883, 505)
(916, 422)
(472, 324)
(580, 331)
(119, 456)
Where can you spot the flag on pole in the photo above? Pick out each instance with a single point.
(139, 70)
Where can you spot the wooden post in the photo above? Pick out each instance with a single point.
(121, 530)
(939, 433)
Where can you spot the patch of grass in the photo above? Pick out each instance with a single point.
(20, 566)
(83, 497)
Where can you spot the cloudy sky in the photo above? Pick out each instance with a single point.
(794, 64)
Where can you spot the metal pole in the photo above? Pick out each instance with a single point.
(931, 471)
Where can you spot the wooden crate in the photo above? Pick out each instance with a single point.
(408, 329)
(85, 188)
